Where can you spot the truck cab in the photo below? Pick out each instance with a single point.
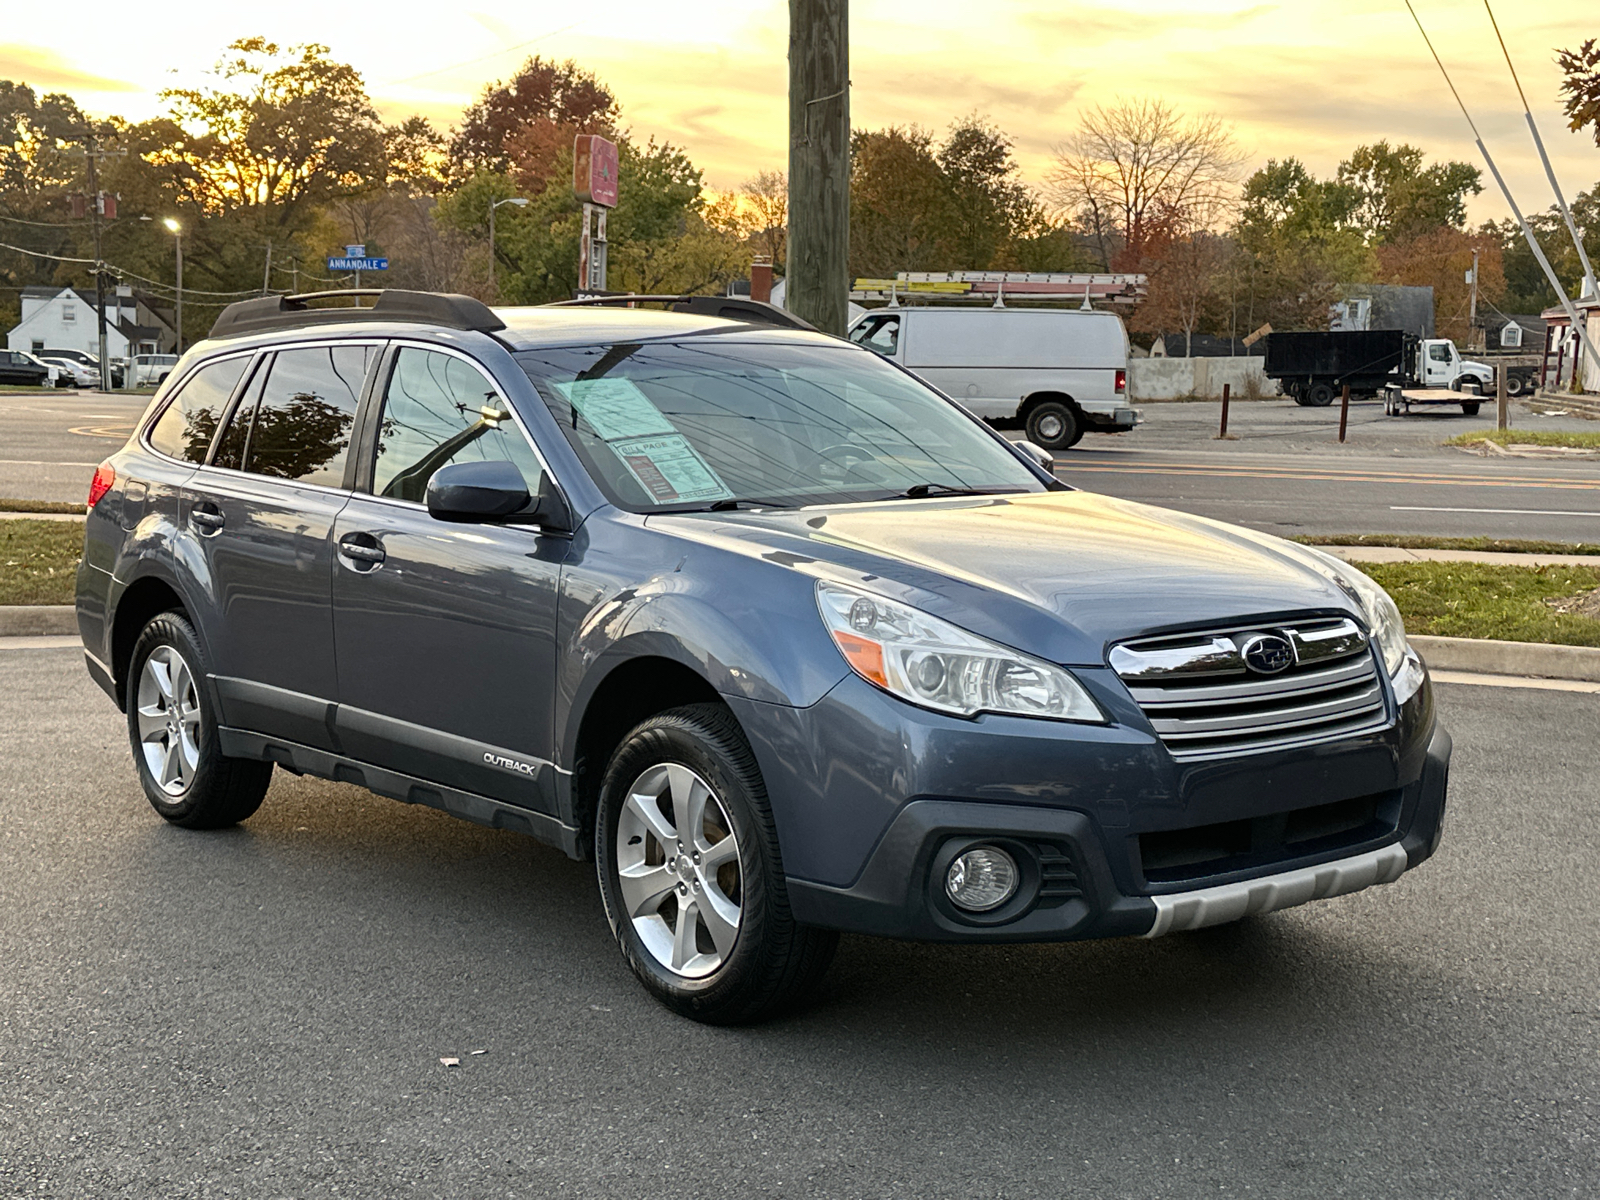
(1443, 366)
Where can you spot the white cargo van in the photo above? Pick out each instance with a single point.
(1056, 372)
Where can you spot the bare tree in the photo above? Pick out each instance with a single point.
(1133, 164)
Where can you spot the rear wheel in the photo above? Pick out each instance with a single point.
(690, 875)
(1470, 408)
(173, 730)
(1320, 395)
(1054, 425)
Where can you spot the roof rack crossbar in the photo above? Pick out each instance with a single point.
(266, 313)
(733, 308)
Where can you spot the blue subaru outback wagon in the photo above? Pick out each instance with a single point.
(784, 640)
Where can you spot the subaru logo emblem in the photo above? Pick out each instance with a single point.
(1267, 653)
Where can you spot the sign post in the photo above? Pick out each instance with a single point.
(594, 182)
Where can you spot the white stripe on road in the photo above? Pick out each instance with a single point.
(40, 642)
(34, 462)
(1518, 512)
(1515, 681)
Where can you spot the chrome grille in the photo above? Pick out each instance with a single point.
(1204, 701)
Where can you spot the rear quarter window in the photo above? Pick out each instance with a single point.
(189, 422)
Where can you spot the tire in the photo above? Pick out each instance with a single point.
(1515, 385)
(741, 957)
(187, 779)
(1320, 395)
(1470, 408)
(1053, 424)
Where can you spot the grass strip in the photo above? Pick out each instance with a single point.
(41, 506)
(39, 561)
(1406, 541)
(1529, 437)
(1476, 600)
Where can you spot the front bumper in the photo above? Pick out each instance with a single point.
(1073, 885)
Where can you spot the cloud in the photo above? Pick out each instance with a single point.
(1096, 25)
(47, 71)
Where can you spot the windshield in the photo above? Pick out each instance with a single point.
(665, 427)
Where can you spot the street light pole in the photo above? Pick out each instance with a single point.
(177, 237)
(520, 202)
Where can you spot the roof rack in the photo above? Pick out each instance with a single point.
(734, 308)
(424, 308)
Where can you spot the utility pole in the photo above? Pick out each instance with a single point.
(93, 154)
(1472, 314)
(819, 163)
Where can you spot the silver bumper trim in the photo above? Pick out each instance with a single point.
(1182, 911)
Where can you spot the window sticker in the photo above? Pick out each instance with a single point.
(670, 469)
(616, 408)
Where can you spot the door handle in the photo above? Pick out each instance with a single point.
(360, 551)
(209, 519)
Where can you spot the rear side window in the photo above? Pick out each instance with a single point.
(186, 427)
(439, 409)
(296, 420)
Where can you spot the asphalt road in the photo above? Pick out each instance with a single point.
(50, 442)
(261, 1012)
(1287, 474)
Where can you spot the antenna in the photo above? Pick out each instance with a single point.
(1527, 233)
(1549, 171)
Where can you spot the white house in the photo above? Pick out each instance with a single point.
(63, 318)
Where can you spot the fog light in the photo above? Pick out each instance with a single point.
(981, 878)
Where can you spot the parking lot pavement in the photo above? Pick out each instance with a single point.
(261, 1012)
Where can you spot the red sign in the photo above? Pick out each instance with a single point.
(594, 170)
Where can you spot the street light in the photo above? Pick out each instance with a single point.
(494, 287)
(177, 237)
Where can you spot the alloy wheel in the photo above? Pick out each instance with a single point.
(678, 870)
(169, 720)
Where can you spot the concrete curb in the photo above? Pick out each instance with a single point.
(1483, 656)
(1495, 558)
(37, 619)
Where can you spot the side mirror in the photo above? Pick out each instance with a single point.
(1038, 455)
(476, 491)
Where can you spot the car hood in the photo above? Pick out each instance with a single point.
(1059, 574)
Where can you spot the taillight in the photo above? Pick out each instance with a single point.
(1122, 381)
(104, 476)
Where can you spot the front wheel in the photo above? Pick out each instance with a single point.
(173, 729)
(690, 875)
(1054, 425)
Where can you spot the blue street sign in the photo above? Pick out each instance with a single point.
(358, 264)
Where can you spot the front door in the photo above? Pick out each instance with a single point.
(446, 632)
(264, 511)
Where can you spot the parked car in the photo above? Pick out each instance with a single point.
(152, 369)
(72, 373)
(783, 640)
(19, 367)
(1056, 373)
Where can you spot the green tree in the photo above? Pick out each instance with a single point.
(897, 203)
(1396, 197)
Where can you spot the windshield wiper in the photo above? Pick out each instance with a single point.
(919, 491)
(731, 503)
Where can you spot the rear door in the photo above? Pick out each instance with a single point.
(446, 632)
(263, 510)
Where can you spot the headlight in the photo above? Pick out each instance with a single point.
(1383, 617)
(930, 662)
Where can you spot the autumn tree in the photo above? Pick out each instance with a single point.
(1132, 164)
(1441, 258)
(520, 125)
(1580, 87)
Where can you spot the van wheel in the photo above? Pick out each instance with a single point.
(1320, 395)
(172, 727)
(1054, 425)
(690, 874)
